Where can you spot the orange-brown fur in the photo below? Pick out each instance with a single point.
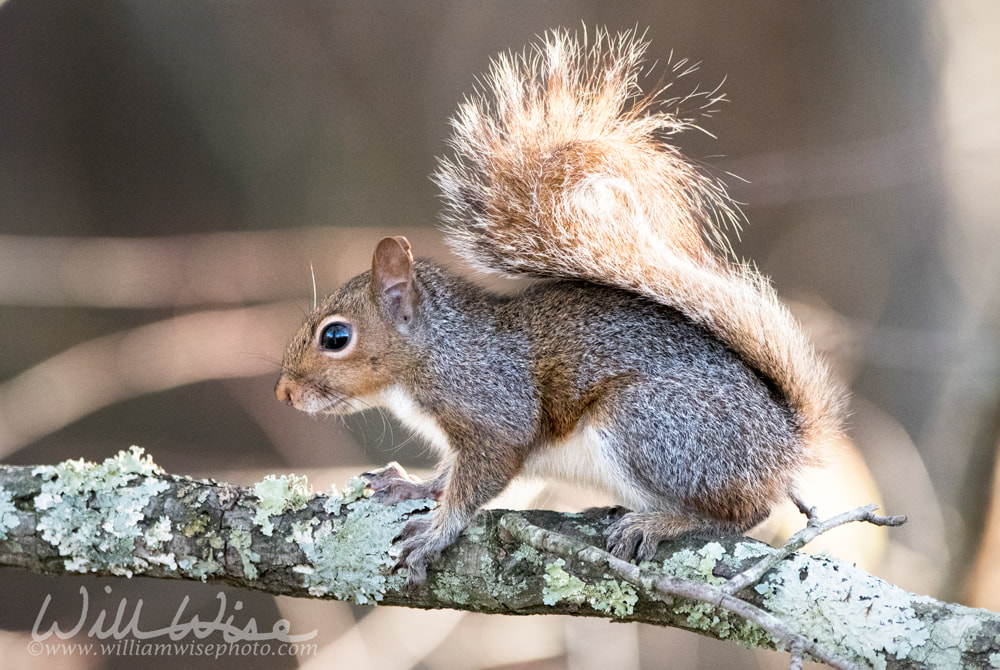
(561, 170)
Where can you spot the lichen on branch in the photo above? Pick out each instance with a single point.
(126, 516)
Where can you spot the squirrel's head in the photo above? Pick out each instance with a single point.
(352, 346)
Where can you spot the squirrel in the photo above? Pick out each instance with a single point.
(646, 362)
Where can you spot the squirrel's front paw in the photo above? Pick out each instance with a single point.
(393, 484)
(420, 544)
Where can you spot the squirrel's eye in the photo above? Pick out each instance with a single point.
(335, 336)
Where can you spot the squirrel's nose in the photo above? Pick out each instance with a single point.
(284, 391)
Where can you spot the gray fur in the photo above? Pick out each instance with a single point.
(705, 441)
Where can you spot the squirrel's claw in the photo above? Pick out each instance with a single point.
(636, 535)
(623, 540)
(398, 491)
(612, 513)
(391, 472)
(413, 528)
(416, 568)
(393, 484)
(419, 547)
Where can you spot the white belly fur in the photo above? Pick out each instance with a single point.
(399, 402)
(580, 459)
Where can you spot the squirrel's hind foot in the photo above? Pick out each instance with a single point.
(638, 534)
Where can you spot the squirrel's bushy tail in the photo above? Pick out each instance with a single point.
(561, 169)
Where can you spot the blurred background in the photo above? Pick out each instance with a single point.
(169, 171)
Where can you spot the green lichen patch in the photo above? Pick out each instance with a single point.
(8, 513)
(525, 552)
(241, 540)
(699, 564)
(210, 544)
(197, 525)
(200, 568)
(948, 638)
(158, 533)
(750, 550)
(613, 597)
(356, 489)
(276, 495)
(607, 595)
(724, 625)
(561, 586)
(870, 618)
(476, 578)
(92, 512)
(349, 557)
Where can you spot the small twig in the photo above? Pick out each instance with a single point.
(659, 586)
(797, 659)
(810, 512)
(813, 528)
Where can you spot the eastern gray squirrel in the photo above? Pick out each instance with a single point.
(646, 364)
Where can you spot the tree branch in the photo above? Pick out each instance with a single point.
(127, 517)
(814, 528)
(654, 583)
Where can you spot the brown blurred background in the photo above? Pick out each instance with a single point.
(168, 172)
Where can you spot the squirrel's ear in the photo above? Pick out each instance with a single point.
(392, 279)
